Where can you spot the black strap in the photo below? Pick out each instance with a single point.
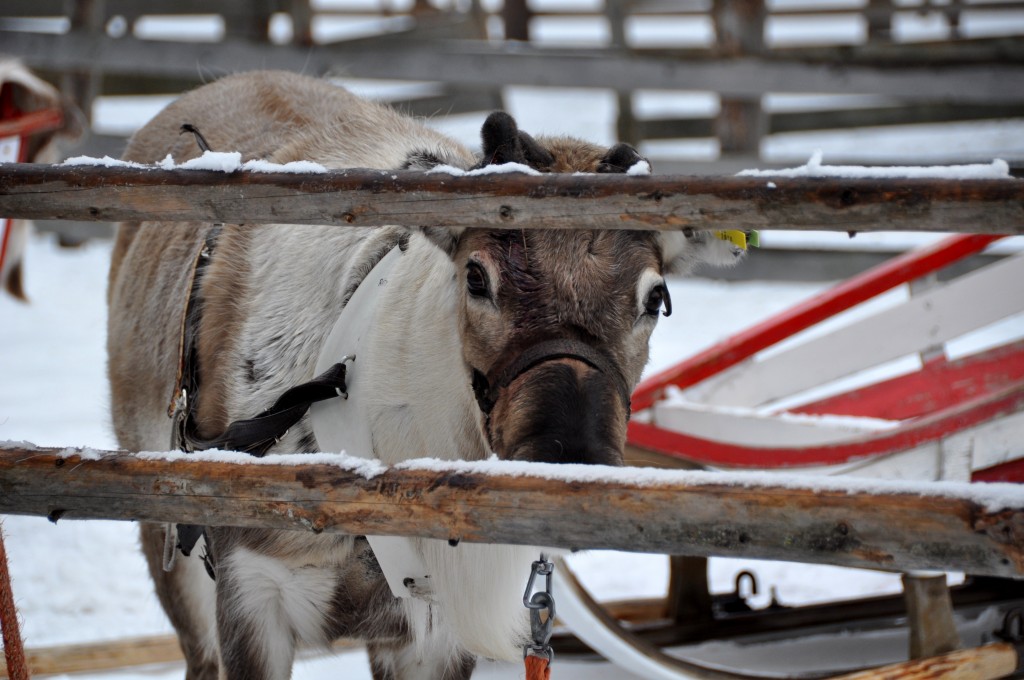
(256, 435)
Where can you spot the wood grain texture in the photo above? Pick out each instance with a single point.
(413, 199)
(988, 662)
(688, 514)
(109, 655)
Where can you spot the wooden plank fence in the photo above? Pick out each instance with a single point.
(481, 64)
(375, 197)
(978, 529)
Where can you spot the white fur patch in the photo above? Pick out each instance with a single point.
(281, 603)
(482, 588)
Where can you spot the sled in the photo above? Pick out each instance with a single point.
(16, 129)
(776, 397)
(876, 393)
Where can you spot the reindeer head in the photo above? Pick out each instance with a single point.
(555, 324)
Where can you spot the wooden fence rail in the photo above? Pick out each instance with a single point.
(373, 197)
(978, 528)
(480, 63)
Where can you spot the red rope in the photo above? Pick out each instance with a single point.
(537, 668)
(14, 651)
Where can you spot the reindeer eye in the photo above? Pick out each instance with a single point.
(657, 298)
(476, 280)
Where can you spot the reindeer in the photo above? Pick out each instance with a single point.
(524, 344)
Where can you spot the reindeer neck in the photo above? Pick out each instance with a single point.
(420, 403)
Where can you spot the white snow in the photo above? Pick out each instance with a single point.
(997, 169)
(363, 467)
(994, 497)
(220, 161)
(105, 162)
(641, 167)
(444, 169)
(294, 167)
(502, 169)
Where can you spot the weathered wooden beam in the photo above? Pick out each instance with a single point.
(557, 201)
(108, 655)
(988, 662)
(468, 62)
(977, 529)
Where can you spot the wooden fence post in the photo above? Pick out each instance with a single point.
(741, 121)
(14, 650)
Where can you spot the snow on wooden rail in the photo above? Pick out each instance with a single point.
(373, 198)
(975, 528)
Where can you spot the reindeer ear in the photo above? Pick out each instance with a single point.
(684, 250)
(504, 143)
(620, 158)
(500, 137)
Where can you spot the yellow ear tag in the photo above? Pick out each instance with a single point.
(733, 236)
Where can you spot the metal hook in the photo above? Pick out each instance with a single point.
(540, 627)
(748, 576)
(540, 567)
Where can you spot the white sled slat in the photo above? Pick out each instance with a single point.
(941, 314)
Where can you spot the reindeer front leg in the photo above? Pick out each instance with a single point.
(257, 641)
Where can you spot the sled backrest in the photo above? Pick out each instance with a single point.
(913, 327)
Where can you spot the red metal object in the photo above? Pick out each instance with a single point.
(860, 288)
(929, 428)
(1011, 471)
(15, 123)
(34, 123)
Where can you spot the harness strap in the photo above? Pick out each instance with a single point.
(256, 435)
(186, 379)
(251, 435)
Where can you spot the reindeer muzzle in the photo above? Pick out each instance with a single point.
(487, 387)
